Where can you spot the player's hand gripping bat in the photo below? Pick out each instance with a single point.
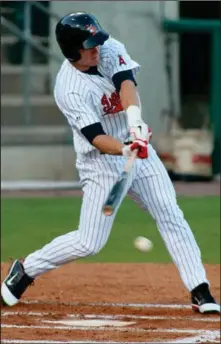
(117, 190)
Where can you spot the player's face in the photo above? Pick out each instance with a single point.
(89, 57)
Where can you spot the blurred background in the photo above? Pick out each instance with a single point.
(177, 44)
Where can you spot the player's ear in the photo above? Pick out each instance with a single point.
(81, 52)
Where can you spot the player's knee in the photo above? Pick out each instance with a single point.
(90, 249)
(166, 210)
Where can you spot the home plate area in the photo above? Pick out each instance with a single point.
(38, 322)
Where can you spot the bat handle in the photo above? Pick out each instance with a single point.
(130, 161)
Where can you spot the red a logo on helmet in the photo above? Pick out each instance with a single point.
(91, 28)
(121, 60)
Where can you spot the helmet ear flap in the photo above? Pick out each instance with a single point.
(75, 56)
(69, 51)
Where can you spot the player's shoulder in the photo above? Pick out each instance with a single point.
(115, 58)
(112, 45)
(112, 42)
(69, 79)
(67, 72)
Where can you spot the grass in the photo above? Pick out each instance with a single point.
(28, 224)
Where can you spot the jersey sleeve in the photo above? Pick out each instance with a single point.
(115, 59)
(79, 110)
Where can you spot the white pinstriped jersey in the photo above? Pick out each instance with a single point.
(86, 99)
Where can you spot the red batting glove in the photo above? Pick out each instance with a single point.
(140, 146)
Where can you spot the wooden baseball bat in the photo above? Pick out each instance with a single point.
(117, 190)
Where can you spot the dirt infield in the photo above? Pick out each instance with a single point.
(150, 298)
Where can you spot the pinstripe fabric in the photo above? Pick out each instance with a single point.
(79, 96)
(111, 53)
(150, 186)
(85, 99)
(94, 228)
(154, 192)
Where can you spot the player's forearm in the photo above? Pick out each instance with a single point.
(130, 103)
(108, 145)
(128, 94)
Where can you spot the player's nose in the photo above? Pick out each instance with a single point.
(95, 50)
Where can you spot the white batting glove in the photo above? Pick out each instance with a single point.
(139, 132)
(138, 129)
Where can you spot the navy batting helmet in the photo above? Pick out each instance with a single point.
(79, 30)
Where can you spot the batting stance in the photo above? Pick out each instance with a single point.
(96, 91)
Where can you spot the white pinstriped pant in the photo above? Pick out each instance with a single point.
(150, 186)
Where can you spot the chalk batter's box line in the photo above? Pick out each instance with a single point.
(185, 341)
(108, 304)
(119, 329)
(112, 316)
(196, 339)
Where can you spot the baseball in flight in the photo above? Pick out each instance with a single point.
(143, 244)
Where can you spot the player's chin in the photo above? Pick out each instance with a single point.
(94, 62)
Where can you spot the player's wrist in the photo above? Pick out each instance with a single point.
(134, 115)
(126, 151)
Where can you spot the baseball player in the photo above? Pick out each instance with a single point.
(96, 90)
